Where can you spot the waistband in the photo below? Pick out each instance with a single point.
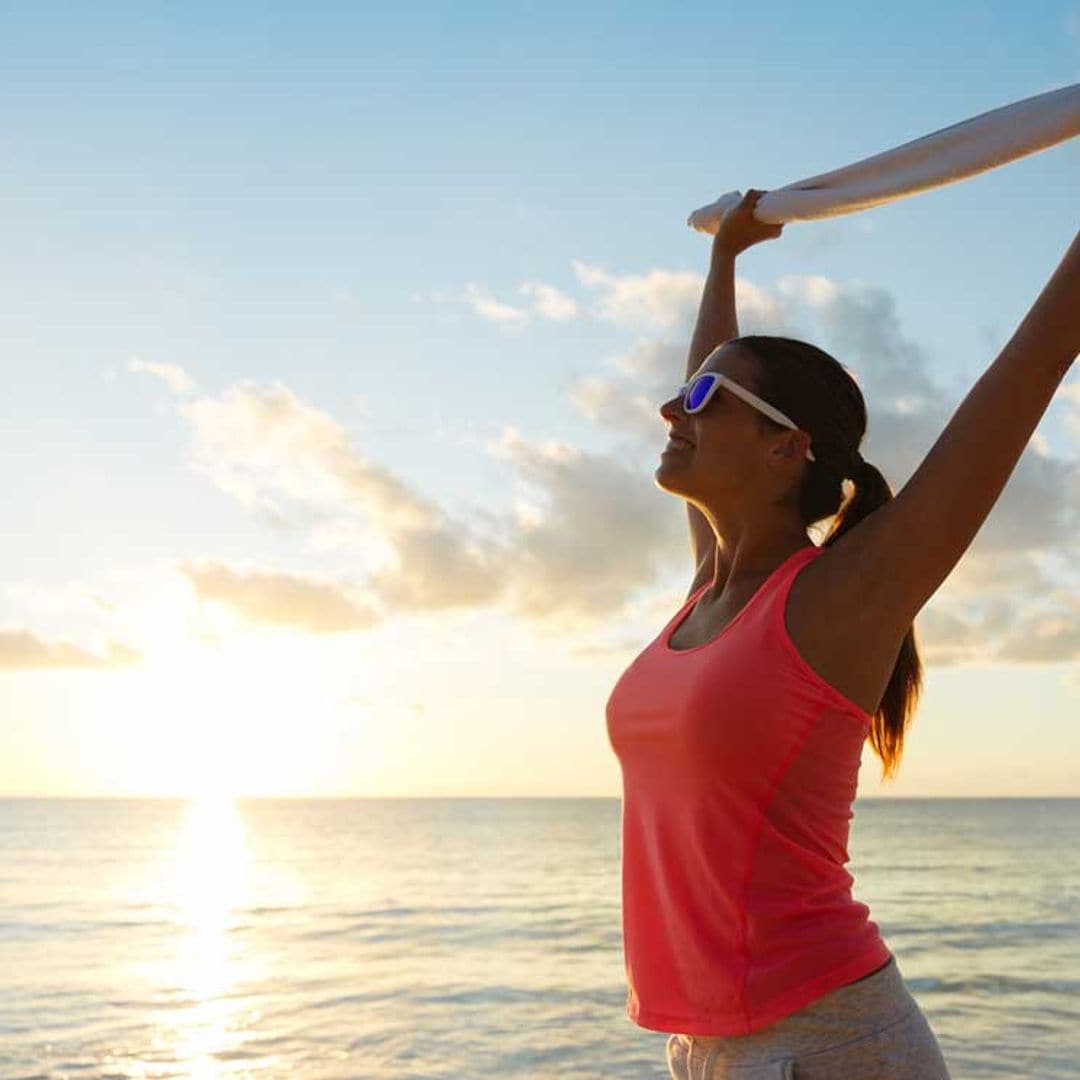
(848, 1012)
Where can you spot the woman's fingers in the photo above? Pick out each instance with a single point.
(739, 229)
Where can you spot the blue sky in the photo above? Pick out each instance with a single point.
(279, 279)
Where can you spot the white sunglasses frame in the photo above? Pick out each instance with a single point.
(740, 392)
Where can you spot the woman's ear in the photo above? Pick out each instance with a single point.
(792, 447)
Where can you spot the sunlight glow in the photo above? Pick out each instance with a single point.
(229, 719)
(211, 879)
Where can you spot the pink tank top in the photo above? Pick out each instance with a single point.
(739, 765)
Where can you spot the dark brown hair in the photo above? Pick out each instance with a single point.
(820, 395)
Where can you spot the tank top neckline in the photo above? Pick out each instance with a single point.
(682, 614)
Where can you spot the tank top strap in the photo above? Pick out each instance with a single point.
(779, 584)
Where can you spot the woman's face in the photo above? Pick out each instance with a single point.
(725, 437)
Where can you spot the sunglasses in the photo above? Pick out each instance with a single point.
(699, 390)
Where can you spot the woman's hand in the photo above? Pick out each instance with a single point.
(739, 229)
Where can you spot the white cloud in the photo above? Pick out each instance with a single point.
(1069, 393)
(22, 650)
(292, 463)
(549, 302)
(177, 380)
(603, 531)
(279, 599)
(487, 307)
(583, 533)
(669, 300)
(658, 299)
(813, 289)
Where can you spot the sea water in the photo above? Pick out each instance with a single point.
(470, 938)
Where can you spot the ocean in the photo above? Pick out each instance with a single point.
(470, 938)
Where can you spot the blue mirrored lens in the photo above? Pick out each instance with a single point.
(697, 391)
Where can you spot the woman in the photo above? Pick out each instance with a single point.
(739, 729)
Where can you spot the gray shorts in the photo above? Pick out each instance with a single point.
(871, 1029)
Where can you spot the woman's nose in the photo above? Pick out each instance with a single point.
(672, 407)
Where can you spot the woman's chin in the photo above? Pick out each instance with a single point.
(668, 472)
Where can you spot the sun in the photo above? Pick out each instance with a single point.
(219, 722)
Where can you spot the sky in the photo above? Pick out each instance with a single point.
(333, 340)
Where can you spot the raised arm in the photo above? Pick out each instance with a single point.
(909, 546)
(717, 323)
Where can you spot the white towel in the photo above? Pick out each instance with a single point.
(943, 157)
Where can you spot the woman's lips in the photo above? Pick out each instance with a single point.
(675, 444)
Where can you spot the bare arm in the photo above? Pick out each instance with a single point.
(717, 323)
(951, 493)
(1049, 336)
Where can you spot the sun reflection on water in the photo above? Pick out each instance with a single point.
(211, 880)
